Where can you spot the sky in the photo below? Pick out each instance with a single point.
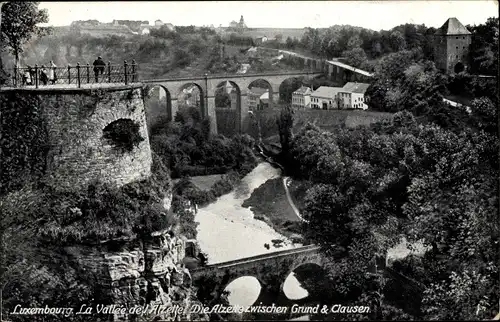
(374, 15)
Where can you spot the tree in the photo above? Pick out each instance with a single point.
(355, 57)
(285, 124)
(222, 99)
(484, 47)
(397, 41)
(20, 21)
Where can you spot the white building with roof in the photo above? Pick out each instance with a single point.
(355, 95)
(261, 39)
(301, 98)
(351, 96)
(325, 97)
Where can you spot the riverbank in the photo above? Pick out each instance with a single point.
(270, 204)
(229, 231)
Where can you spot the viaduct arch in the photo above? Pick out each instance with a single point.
(209, 84)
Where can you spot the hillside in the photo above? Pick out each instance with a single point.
(165, 55)
(271, 32)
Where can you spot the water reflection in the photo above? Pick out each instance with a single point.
(292, 288)
(243, 291)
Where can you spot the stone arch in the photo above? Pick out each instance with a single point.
(192, 94)
(259, 293)
(288, 86)
(158, 106)
(318, 264)
(459, 67)
(255, 92)
(232, 89)
(228, 107)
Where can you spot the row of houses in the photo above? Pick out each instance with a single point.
(351, 96)
(118, 27)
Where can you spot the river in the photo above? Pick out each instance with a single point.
(228, 231)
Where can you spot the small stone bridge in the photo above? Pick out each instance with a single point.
(271, 270)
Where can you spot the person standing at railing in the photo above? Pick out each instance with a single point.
(99, 66)
(27, 76)
(44, 78)
(52, 73)
(31, 71)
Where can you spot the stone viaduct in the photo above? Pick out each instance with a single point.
(209, 84)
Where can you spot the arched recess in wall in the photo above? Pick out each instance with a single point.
(260, 95)
(123, 134)
(459, 67)
(288, 86)
(304, 281)
(191, 95)
(227, 95)
(227, 107)
(158, 105)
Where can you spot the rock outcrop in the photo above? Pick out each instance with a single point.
(141, 271)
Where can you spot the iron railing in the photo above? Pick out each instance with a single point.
(41, 76)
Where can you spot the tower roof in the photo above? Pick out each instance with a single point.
(452, 27)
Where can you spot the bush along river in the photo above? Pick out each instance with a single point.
(228, 230)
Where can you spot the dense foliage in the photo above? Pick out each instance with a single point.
(484, 47)
(428, 175)
(187, 147)
(431, 180)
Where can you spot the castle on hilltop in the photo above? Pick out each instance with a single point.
(238, 25)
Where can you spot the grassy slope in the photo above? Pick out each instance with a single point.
(203, 183)
(153, 63)
(325, 119)
(269, 203)
(272, 32)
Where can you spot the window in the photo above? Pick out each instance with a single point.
(457, 47)
(464, 37)
(456, 56)
(456, 37)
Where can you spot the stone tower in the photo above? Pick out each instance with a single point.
(451, 48)
(242, 22)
